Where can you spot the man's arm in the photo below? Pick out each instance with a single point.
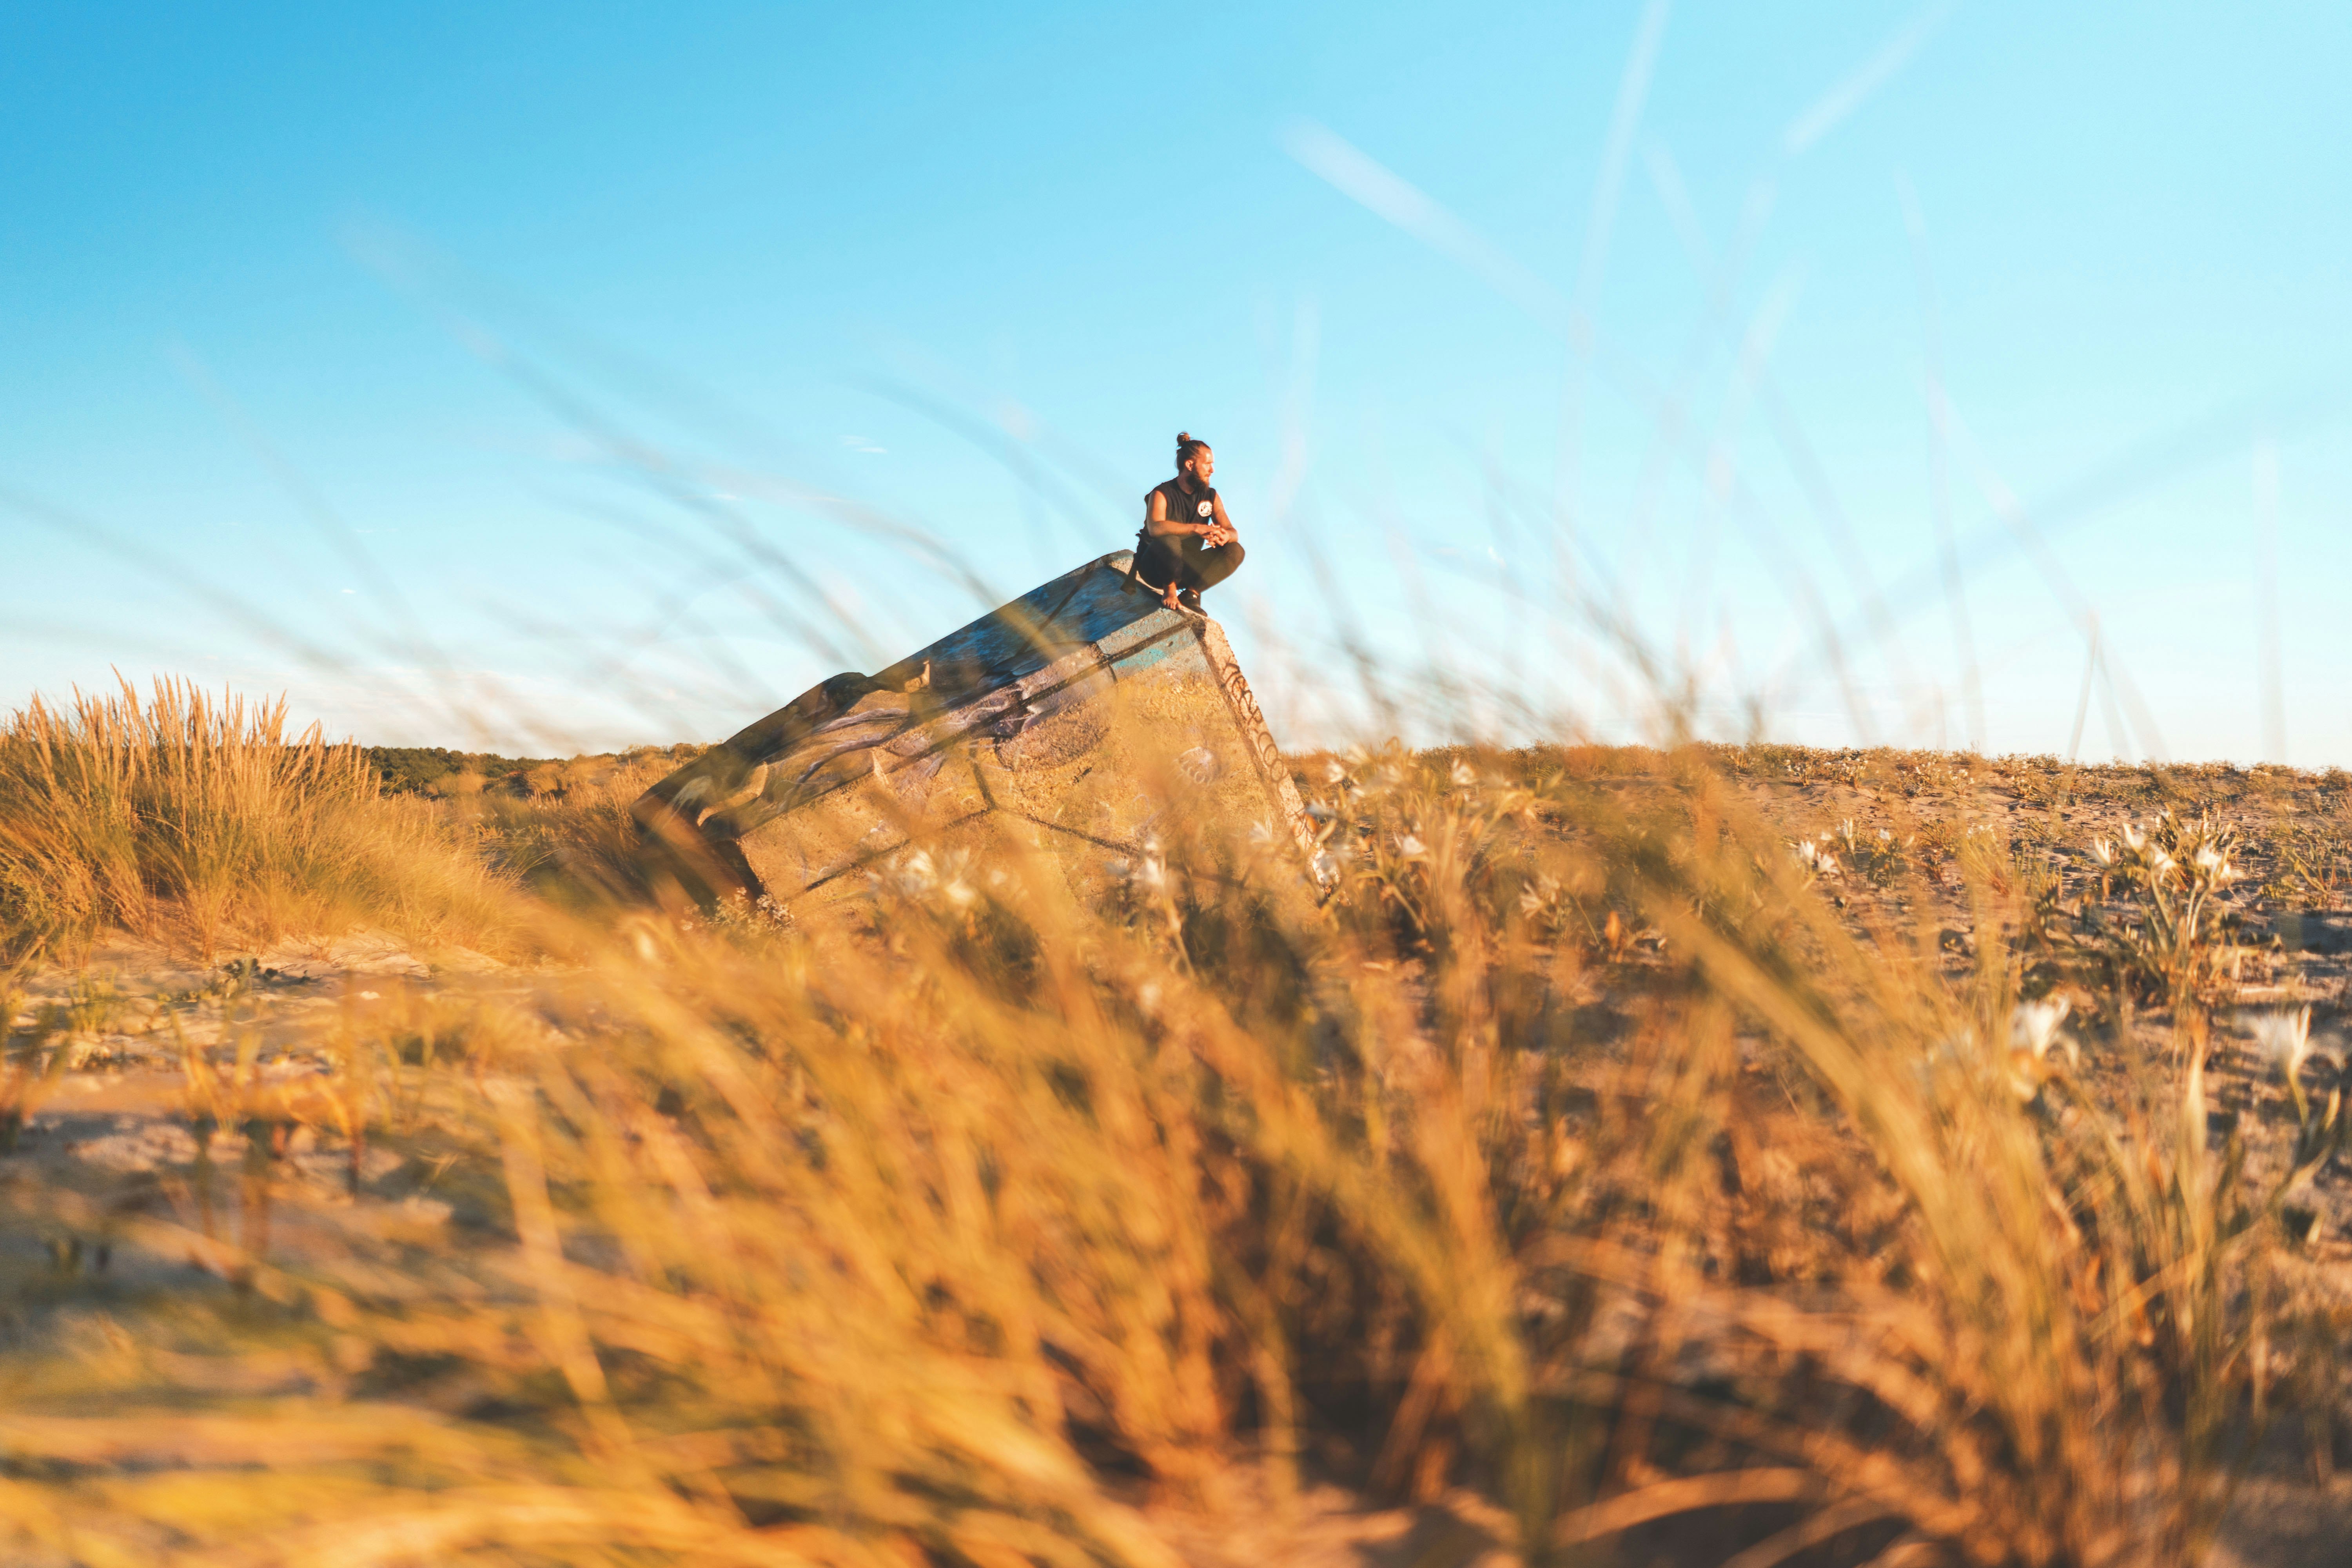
(1220, 528)
(1156, 520)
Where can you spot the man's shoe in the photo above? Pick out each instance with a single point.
(1191, 599)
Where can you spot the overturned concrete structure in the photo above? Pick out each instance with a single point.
(1083, 719)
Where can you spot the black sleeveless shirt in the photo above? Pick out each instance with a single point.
(1199, 506)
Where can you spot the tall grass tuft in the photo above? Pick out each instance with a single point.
(201, 821)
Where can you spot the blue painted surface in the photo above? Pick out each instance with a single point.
(1179, 643)
(1050, 621)
(1147, 655)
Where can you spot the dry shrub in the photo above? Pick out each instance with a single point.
(201, 823)
(955, 1234)
(570, 837)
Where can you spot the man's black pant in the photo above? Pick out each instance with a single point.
(1183, 560)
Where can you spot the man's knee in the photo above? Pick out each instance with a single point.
(1222, 561)
(1159, 565)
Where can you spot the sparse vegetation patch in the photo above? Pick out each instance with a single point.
(1678, 1154)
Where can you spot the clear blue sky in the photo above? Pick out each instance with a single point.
(560, 375)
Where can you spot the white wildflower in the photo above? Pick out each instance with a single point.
(1409, 845)
(1537, 895)
(1332, 772)
(2103, 850)
(2134, 839)
(2034, 1027)
(1465, 774)
(1146, 870)
(2283, 1035)
(2032, 1030)
(2215, 865)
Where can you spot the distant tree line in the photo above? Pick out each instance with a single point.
(408, 770)
(418, 770)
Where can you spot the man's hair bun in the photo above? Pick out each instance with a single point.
(1186, 447)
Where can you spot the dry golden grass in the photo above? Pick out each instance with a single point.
(201, 821)
(1583, 1151)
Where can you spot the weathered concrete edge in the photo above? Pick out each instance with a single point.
(1264, 755)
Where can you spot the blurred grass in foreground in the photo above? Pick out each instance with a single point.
(1581, 1152)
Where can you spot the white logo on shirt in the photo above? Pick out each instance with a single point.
(1206, 508)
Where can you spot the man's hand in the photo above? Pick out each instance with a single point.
(1215, 534)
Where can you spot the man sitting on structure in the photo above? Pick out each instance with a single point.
(1188, 542)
